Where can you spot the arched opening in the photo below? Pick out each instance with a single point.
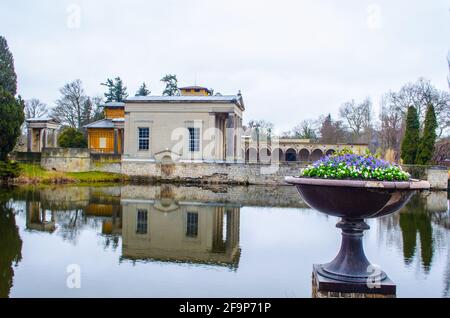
(264, 155)
(277, 155)
(251, 155)
(330, 152)
(291, 155)
(316, 154)
(303, 155)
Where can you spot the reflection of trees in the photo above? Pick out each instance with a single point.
(414, 219)
(10, 246)
(71, 224)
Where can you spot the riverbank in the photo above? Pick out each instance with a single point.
(35, 174)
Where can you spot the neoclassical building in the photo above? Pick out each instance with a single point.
(195, 126)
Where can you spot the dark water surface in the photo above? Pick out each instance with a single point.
(170, 241)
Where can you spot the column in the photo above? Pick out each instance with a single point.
(29, 139)
(239, 151)
(230, 131)
(55, 140)
(122, 140)
(116, 138)
(44, 138)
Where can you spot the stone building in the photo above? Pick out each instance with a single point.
(193, 127)
(41, 133)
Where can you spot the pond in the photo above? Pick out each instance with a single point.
(217, 241)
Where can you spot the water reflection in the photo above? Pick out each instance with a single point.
(10, 244)
(424, 224)
(202, 227)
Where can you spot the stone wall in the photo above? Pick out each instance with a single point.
(26, 157)
(66, 159)
(73, 160)
(437, 176)
(106, 162)
(233, 173)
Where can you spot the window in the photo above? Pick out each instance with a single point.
(102, 142)
(143, 138)
(141, 224)
(194, 139)
(192, 224)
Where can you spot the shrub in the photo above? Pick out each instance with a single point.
(72, 138)
(353, 166)
(9, 170)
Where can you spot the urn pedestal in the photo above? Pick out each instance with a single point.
(353, 201)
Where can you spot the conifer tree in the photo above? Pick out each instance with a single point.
(426, 145)
(11, 109)
(117, 92)
(171, 88)
(8, 77)
(411, 139)
(143, 91)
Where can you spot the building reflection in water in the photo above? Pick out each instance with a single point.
(38, 218)
(191, 232)
(164, 228)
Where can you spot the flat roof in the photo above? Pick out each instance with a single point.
(219, 99)
(113, 104)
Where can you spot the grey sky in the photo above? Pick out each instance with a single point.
(292, 60)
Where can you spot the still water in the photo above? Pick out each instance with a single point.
(173, 241)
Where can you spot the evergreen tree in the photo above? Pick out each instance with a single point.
(11, 119)
(171, 88)
(117, 92)
(411, 138)
(143, 91)
(426, 145)
(8, 77)
(72, 138)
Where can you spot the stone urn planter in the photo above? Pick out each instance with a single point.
(353, 201)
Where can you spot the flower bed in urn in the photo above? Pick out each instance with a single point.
(347, 165)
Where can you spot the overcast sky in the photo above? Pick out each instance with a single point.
(292, 60)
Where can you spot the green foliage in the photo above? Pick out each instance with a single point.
(171, 88)
(411, 139)
(8, 77)
(72, 138)
(9, 170)
(10, 245)
(11, 119)
(347, 165)
(117, 92)
(143, 91)
(426, 145)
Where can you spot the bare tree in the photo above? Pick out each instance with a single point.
(421, 94)
(358, 117)
(74, 108)
(391, 127)
(306, 130)
(69, 107)
(331, 131)
(263, 127)
(34, 108)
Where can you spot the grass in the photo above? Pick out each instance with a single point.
(34, 174)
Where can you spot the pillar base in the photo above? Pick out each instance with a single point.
(324, 287)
